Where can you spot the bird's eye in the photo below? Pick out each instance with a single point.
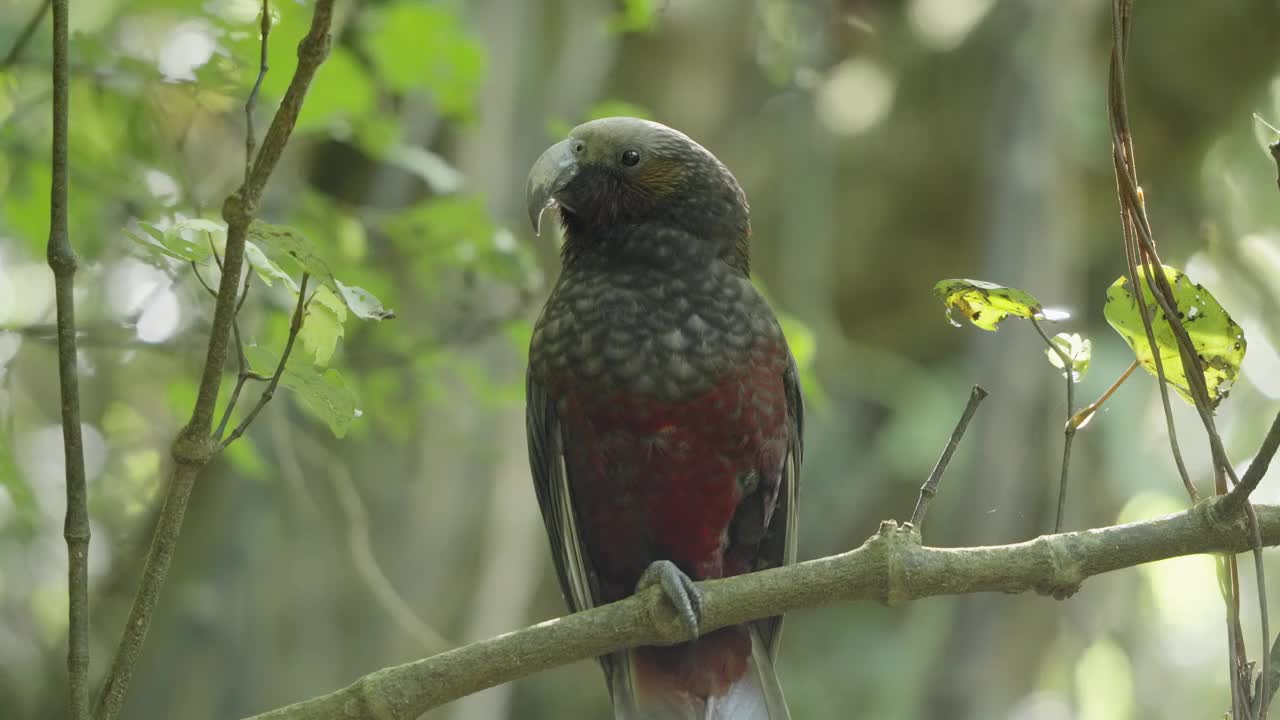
(630, 158)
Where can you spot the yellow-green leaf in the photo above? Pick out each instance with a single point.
(1219, 342)
(325, 394)
(323, 325)
(985, 304)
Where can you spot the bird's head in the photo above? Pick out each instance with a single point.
(617, 174)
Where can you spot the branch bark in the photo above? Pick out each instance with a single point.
(195, 445)
(892, 567)
(62, 261)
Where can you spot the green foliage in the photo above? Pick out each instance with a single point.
(283, 246)
(985, 304)
(1078, 349)
(13, 481)
(1219, 342)
(804, 348)
(325, 393)
(416, 46)
(322, 326)
(189, 239)
(635, 16)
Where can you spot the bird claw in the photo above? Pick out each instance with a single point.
(679, 589)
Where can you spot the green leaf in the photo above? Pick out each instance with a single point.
(1079, 349)
(187, 239)
(362, 303)
(281, 244)
(985, 304)
(1219, 342)
(325, 394)
(323, 325)
(267, 270)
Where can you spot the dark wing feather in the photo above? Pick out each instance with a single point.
(779, 546)
(551, 483)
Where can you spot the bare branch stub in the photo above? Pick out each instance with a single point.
(930, 488)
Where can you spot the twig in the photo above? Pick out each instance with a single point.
(62, 261)
(25, 36)
(295, 326)
(1069, 430)
(366, 563)
(1257, 469)
(194, 446)
(1082, 416)
(243, 373)
(930, 488)
(249, 136)
(892, 567)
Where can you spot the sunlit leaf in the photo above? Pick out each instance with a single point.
(185, 239)
(325, 393)
(1219, 342)
(267, 270)
(362, 303)
(323, 326)
(635, 16)
(1078, 349)
(985, 304)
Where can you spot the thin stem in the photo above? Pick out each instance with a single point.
(295, 326)
(930, 488)
(1069, 430)
(249, 136)
(62, 261)
(1082, 416)
(243, 373)
(24, 37)
(195, 446)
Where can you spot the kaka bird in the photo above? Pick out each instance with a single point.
(664, 412)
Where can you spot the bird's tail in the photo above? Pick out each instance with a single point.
(724, 675)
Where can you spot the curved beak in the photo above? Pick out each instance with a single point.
(550, 174)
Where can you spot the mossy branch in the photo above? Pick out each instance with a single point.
(891, 567)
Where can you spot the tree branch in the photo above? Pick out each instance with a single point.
(62, 261)
(195, 446)
(24, 37)
(891, 568)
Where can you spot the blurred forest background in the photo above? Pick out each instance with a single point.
(884, 145)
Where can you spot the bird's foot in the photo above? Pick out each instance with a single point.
(679, 589)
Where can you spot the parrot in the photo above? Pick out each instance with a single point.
(663, 409)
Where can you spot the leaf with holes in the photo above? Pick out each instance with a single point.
(1078, 349)
(985, 304)
(1219, 342)
(284, 246)
(324, 393)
